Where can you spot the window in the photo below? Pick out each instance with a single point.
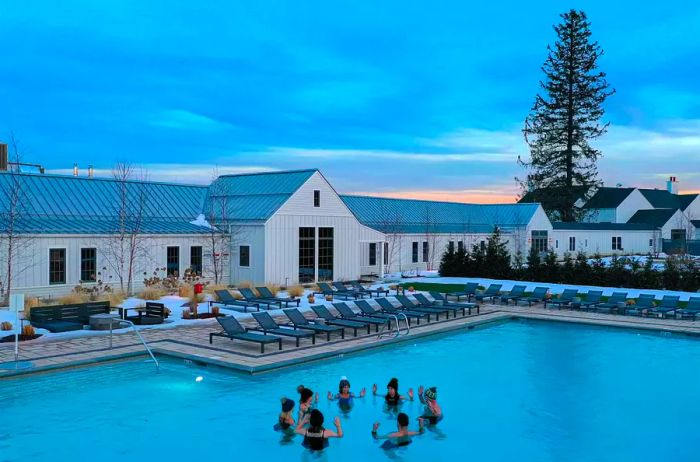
(307, 254)
(244, 256)
(460, 246)
(57, 266)
(451, 246)
(196, 259)
(572, 243)
(414, 254)
(617, 242)
(678, 235)
(425, 251)
(539, 241)
(386, 253)
(325, 254)
(172, 259)
(556, 244)
(372, 254)
(317, 198)
(651, 242)
(482, 245)
(88, 265)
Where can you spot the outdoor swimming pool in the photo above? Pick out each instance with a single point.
(516, 391)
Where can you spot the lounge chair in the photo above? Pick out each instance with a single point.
(372, 292)
(387, 308)
(593, 298)
(643, 303)
(565, 298)
(494, 290)
(327, 317)
(515, 292)
(347, 313)
(469, 291)
(233, 330)
(611, 304)
(267, 324)
(453, 308)
(226, 299)
(326, 289)
(250, 296)
(266, 294)
(407, 304)
(441, 299)
(300, 322)
(669, 304)
(692, 309)
(537, 296)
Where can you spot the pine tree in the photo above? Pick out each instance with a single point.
(497, 258)
(564, 120)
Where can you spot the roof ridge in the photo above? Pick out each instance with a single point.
(102, 179)
(272, 172)
(366, 196)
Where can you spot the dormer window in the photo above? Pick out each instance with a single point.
(317, 198)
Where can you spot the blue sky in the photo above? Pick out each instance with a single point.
(419, 99)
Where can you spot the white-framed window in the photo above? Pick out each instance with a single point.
(414, 253)
(425, 251)
(244, 256)
(372, 254)
(57, 266)
(617, 242)
(317, 198)
(88, 264)
(572, 243)
(651, 242)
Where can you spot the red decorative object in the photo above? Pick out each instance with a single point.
(198, 288)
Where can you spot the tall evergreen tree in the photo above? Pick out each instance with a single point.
(565, 119)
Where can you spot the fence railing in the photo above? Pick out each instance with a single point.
(690, 246)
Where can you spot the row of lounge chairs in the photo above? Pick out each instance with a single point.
(618, 302)
(268, 331)
(355, 291)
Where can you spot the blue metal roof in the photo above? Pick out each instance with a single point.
(254, 196)
(418, 216)
(79, 205)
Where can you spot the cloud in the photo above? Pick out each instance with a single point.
(476, 196)
(185, 120)
(432, 157)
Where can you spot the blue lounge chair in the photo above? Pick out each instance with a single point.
(327, 317)
(611, 304)
(300, 322)
(347, 313)
(643, 303)
(469, 291)
(425, 303)
(267, 324)
(325, 289)
(537, 296)
(692, 309)
(386, 307)
(372, 292)
(226, 299)
(493, 291)
(669, 304)
(340, 287)
(233, 330)
(564, 299)
(515, 292)
(407, 304)
(441, 299)
(250, 296)
(266, 294)
(592, 298)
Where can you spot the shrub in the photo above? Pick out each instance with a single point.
(245, 285)
(152, 293)
(212, 288)
(72, 298)
(295, 291)
(274, 288)
(116, 298)
(28, 330)
(5, 325)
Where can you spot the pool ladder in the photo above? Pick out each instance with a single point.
(388, 331)
(138, 334)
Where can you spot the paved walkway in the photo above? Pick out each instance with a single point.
(192, 342)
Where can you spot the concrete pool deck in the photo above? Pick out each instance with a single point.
(192, 342)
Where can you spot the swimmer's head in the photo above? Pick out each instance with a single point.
(315, 418)
(402, 420)
(344, 385)
(287, 404)
(305, 395)
(430, 393)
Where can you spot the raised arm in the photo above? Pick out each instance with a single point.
(374, 390)
(421, 389)
(376, 436)
(300, 430)
(363, 392)
(330, 396)
(338, 433)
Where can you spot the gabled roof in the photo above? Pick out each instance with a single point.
(686, 199)
(655, 217)
(418, 216)
(252, 196)
(662, 199)
(79, 205)
(607, 198)
(545, 197)
(579, 226)
(695, 223)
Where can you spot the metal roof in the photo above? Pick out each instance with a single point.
(608, 198)
(578, 226)
(655, 217)
(254, 196)
(413, 216)
(54, 204)
(662, 199)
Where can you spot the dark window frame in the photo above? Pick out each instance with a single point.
(572, 243)
(244, 257)
(196, 261)
(325, 254)
(317, 197)
(385, 256)
(88, 265)
(171, 260)
(57, 266)
(617, 243)
(414, 252)
(451, 246)
(372, 254)
(307, 254)
(426, 251)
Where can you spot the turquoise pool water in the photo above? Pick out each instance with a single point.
(515, 391)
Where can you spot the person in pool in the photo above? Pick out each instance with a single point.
(315, 436)
(285, 420)
(392, 397)
(344, 396)
(306, 401)
(401, 437)
(432, 412)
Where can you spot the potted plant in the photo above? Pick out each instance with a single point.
(311, 298)
(411, 289)
(186, 314)
(329, 297)
(28, 331)
(215, 310)
(6, 325)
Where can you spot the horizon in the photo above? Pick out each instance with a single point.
(434, 114)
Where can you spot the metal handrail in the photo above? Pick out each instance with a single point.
(145, 345)
(395, 333)
(408, 325)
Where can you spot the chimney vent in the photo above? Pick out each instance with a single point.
(672, 185)
(91, 171)
(3, 157)
(75, 169)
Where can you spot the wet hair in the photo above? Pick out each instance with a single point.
(402, 419)
(393, 383)
(344, 382)
(305, 394)
(316, 419)
(287, 404)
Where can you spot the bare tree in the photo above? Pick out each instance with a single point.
(391, 228)
(431, 237)
(218, 239)
(126, 245)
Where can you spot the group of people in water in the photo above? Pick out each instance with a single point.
(309, 422)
